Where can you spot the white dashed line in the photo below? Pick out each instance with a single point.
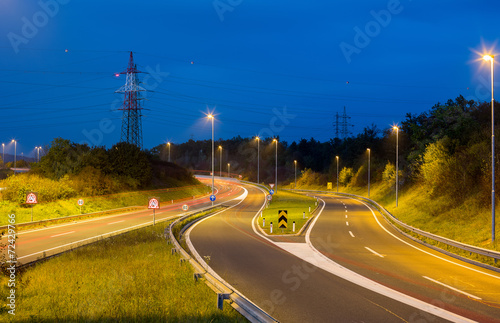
(452, 288)
(346, 223)
(374, 252)
(352, 235)
(116, 222)
(346, 216)
(61, 234)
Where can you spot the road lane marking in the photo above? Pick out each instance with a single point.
(374, 252)
(345, 211)
(62, 234)
(346, 216)
(346, 223)
(352, 235)
(452, 288)
(116, 222)
(424, 251)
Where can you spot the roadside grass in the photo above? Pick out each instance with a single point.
(127, 278)
(64, 208)
(295, 204)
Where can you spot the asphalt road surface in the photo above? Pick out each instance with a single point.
(285, 286)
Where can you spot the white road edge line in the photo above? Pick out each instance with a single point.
(452, 288)
(62, 234)
(336, 269)
(374, 252)
(424, 251)
(352, 235)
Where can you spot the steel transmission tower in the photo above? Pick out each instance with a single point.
(342, 126)
(131, 120)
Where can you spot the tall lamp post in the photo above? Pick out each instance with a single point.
(38, 153)
(3, 154)
(491, 59)
(229, 170)
(396, 128)
(15, 155)
(211, 117)
(168, 144)
(337, 158)
(276, 170)
(295, 185)
(258, 158)
(220, 148)
(369, 151)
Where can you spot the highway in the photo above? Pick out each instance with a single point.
(349, 233)
(34, 244)
(294, 290)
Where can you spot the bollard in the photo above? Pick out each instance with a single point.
(271, 227)
(263, 222)
(174, 250)
(303, 215)
(309, 209)
(316, 203)
(197, 276)
(293, 226)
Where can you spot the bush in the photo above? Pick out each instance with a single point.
(345, 176)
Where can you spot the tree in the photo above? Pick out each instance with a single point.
(127, 160)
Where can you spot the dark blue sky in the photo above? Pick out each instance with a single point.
(278, 68)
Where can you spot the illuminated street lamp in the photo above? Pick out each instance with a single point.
(396, 128)
(38, 153)
(337, 158)
(15, 155)
(168, 144)
(220, 168)
(258, 157)
(491, 59)
(228, 170)
(369, 151)
(211, 117)
(276, 171)
(295, 163)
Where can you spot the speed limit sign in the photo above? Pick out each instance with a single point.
(80, 202)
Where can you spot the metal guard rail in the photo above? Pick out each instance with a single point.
(391, 218)
(248, 309)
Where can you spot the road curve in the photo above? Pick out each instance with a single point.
(285, 286)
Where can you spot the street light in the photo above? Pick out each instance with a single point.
(491, 59)
(3, 154)
(229, 170)
(211, 117)
(337, 158)
(368, 149)
(396, 128)
(168, 144)
(276, 171)
(15, 155)
(220, 168)
(38, 153)
(295, 186)
(258, 158)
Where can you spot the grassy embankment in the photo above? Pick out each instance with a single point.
(469, 222)
(128, 278)
(62, 208)
(295, 204)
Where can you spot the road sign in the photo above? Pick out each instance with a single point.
(185, 207)
(269, 197)
(153, 203)
(80, 202)
(329, 185)
(212, 197)
(282, 219)
(32, 198)
(271, 192)
(271, 185)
